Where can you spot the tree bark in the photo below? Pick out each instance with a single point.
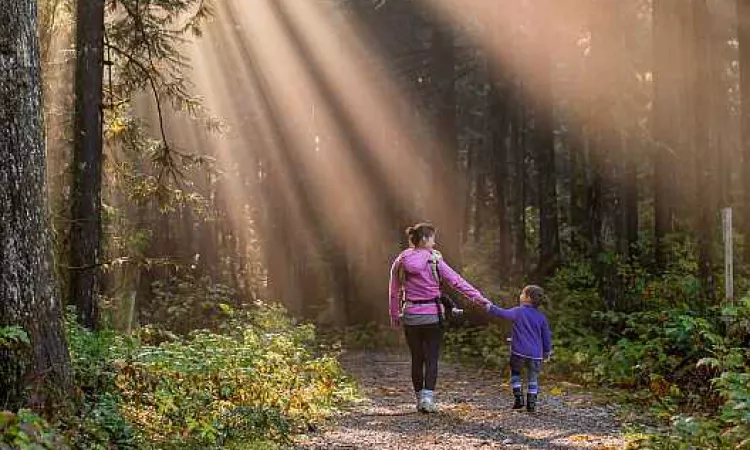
(520, 182)
(86, 205)
(665, 120)
(704, 154)
(499, 133)
(629, 197)
(743, 32)
(500, 112)
(544, 146)
(29, 295)
(443, 62)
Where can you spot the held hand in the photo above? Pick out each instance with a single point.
(482, 303)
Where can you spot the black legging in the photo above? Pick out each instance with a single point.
(424, 344)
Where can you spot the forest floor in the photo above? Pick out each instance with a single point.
(474, 412)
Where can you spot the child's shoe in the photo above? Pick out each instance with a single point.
(531, 403)
(518, 395)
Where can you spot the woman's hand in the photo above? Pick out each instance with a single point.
(482, 302)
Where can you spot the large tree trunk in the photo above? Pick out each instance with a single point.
(665, 119)
(86, 205)
(743, 32)
(443, 61)
(705, 194)
(544, 146)
(29, 294)
(500, 112)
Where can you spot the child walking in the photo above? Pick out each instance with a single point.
(531, 343)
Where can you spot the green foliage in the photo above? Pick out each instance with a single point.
(99, 422)
(370, 336)
(25, 430)
(187, 303)
(680, 356)
(12, 336)
(694, 365)
(486, 345)
(261, 377)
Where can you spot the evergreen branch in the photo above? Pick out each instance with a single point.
(152, 83)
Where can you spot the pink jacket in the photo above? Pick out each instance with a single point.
(420, 283)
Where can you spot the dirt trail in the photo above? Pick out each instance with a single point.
(474, 413)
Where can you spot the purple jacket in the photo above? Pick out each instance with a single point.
(420, 283)
(532, 337)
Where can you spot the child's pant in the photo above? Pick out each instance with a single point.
(533, 368)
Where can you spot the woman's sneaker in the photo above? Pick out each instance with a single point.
(419, 401)
(427, 402)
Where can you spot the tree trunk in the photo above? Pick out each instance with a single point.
(705, 198)
(86, 205)
(544, 146)
(29, 295)
(474, 189)
(500, 112)
(519, 152)
(629, 197)
(443, 60)
(665, 120)
(743, 20)
(578, 185)
(499, 133)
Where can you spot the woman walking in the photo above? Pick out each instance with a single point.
(415, 303)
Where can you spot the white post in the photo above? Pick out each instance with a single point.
(728, 256)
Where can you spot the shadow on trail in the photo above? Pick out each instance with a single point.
(444, 426)
(474, 413)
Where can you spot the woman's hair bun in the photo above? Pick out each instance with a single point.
(418, 232)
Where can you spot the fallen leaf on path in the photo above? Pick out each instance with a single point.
(580, 437)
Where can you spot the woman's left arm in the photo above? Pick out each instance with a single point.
(450, 276)
(394, 292)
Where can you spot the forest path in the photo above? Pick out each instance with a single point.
(474, 412)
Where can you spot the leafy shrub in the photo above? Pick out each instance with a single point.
(186, 303)
(696, 368)
(262, 377)
(370, 336)
(13, 335)
(486, 345)
(27, 431)
(654, 335)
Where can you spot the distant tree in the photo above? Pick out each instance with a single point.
(86, 195)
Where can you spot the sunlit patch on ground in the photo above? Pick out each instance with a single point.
(474, 413)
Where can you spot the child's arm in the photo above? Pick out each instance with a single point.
(497, 311)
(394, 292)
(546, 340)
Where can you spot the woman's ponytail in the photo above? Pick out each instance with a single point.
(417, 233)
